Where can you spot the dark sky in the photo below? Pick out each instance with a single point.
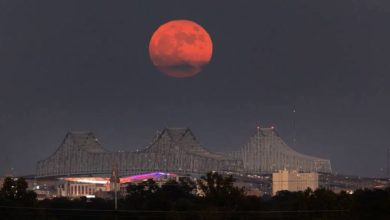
(84, 65)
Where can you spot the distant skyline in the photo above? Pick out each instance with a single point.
(85, 66)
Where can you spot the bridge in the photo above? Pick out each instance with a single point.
(176, 151)
(266, 152)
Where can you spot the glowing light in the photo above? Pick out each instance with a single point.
(95, 180)
(128, 179)
(145, 176)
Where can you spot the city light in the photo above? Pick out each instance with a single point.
(95, 180)
(128, 179)
(154, 175)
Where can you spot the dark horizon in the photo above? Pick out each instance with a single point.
(75, 65)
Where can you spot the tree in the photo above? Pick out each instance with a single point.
(16, 190)
(139, 194)
(220, 190)
(21, 189)
(184, 188)
(143, 189)
(9, 188)
(323, 199)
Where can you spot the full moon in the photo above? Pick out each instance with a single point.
(180, 48)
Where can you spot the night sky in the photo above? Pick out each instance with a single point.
(84, 65)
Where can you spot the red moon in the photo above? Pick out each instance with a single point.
(180, 48)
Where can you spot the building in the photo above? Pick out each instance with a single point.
(293, 181)
(176, 150)
(77, 189)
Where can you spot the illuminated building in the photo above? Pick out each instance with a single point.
(75, 187)
(76, 190)
(293, 181)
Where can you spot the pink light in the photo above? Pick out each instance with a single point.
(154, 175)
(128, 179)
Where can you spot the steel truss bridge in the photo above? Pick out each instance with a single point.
(177, 151)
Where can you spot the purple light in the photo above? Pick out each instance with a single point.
(154, 175)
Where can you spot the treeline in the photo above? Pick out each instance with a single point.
(215, 193)
(14, 193)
